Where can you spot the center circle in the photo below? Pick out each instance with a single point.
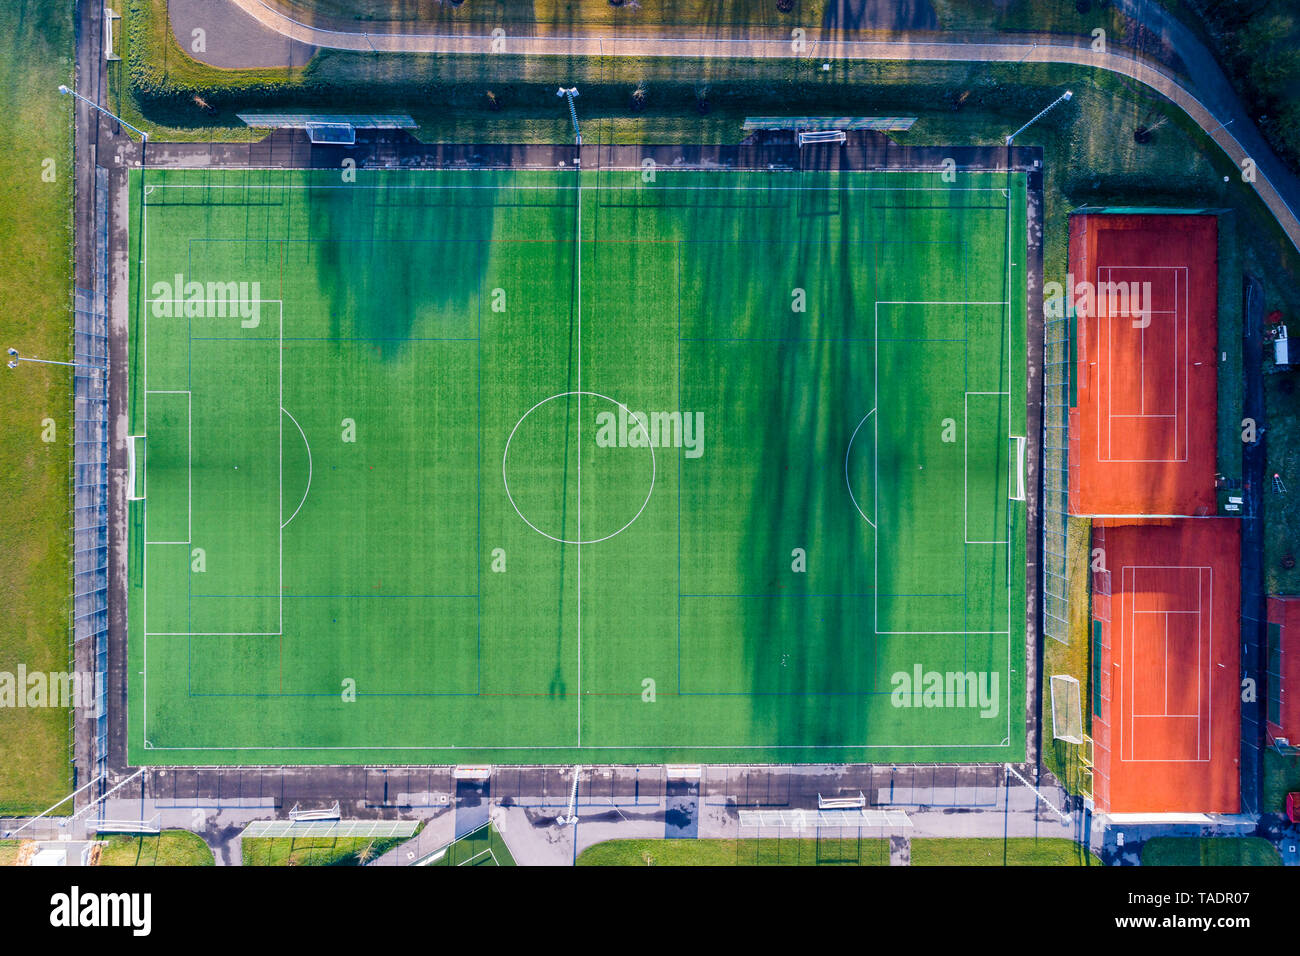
(567, 453)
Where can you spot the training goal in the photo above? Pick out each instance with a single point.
(810, 137)
(1067, 709)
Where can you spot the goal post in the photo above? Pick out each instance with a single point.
(1067, 709)
(134, 474)
(1019, 446)
(810, 137)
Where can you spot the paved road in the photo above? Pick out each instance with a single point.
(1213, 107)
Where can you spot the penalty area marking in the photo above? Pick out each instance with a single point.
(640, 425)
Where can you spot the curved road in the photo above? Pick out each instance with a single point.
(1273, 182)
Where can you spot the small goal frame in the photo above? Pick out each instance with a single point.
(1067, 709)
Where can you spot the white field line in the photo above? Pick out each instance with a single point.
(541, 187)
(966, 467)
(280, 531)
(189, 464)
(578, 295)
(1005, 743)
(876, 538)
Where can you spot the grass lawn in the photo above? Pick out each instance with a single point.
(1072, 659)
(1281, 776)
(1282, 404)
(1020, 851)
(1209, 851)
(483, 847)
(1052, 16)
(36, 301)
(9, 851)
(682, 16)
(835, 851)
(169, 848)
(753, 852)
(320, 851)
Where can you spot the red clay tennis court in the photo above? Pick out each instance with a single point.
(1142, 432)
(1166, 709)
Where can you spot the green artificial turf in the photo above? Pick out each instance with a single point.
(482, 847)
(1017, 851)
(363, 500)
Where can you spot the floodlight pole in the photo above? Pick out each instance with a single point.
(91, 103)
(15, 358)
(1063, 98)
(571, 93)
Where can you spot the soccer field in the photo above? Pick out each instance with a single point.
(538, 467)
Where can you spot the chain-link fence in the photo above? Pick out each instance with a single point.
(1056, 478)
(90, 468)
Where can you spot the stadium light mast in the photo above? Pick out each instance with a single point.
(91, 103)
(1063, 98)
(15, 358)
(571, 93)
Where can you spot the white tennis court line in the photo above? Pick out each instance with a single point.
(1204, 662)
(1180, 310)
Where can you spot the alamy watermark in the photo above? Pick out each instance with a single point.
(35, 689)
(946, 689)
(178, 299)
(1085, 299)
(629, 429)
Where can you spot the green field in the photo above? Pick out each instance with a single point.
(398, 501)
(36, 480)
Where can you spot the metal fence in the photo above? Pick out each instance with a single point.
(90, 468)
(1056, 478)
